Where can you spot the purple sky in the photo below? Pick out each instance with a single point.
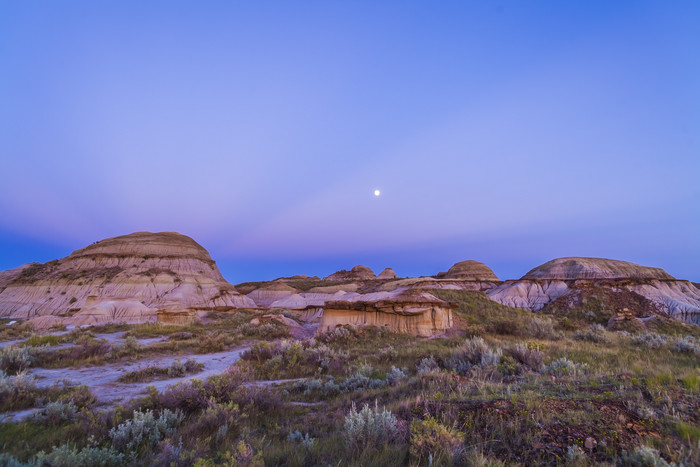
(507, 132)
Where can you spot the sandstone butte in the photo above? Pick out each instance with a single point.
(359, 272)
(168, 277)
(125, 279)
(406, 311)
(469, 270)
(465, 275)
(568, 277)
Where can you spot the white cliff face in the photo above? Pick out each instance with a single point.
(532, 295)
(121, 279)
(559, 277)
(680, 299)
(577, 268)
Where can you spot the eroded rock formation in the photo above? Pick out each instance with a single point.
(469, 270)
(387, 273)
(357, 273)
(566, 277)
(405, 311)
(265, 296)
(121, 279)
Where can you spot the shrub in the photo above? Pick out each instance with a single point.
(473, 352)
(131, 345)
(491, 357)
(541, 328)
(177, 369)
(305, 440)
(427, 366)
(144, 427)
(531, 358)
(395, 375)
(222, 387)
(67, 456)
(594, 333)
(217, 421)
(644, 456)
(687, 344)
(430, 438)
(55, 413)
(15, 359)
(259, 398)
(575, 455)
(564, 367)
(17, 392)
(188, 396)
(369, 427)
(650, 340)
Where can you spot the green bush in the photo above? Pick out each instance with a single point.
(55, 413)
(430, 438)
(144, 427)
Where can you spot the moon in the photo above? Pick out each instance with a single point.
(377, 192)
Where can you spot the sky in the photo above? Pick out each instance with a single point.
(506, 132)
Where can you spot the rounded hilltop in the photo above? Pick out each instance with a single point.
(469, 270)
(159, 244)
(359, 272)
(577, 268)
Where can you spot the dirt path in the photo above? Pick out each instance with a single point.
(102, 380)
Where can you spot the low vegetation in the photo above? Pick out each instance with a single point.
(506, 387)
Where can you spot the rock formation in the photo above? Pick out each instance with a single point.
(566, 277)
(594, 268)
(121, 279)
(387, 273)
(405, 311)
(357, 273)
(265, 296)
(469, 270)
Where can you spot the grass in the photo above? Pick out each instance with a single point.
(176, 370)
(507, 409)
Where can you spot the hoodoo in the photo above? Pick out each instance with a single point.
(406, 311)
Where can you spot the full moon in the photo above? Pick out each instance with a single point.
(377, 192)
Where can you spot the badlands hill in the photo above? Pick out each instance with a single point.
(469, 270)
(568, 282)
(169, 277)
(122, 279)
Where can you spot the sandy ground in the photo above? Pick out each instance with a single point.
(102, 380)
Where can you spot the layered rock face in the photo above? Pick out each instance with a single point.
(469, 270)
(121, 279)
(573, 268)
(566, 276)
(265, 296)
(405, 311)
(357, 273)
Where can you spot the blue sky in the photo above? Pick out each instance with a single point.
(507, 132)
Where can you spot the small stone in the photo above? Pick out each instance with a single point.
(590, 443)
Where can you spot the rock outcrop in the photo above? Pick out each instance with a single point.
(357, 273)
(387, 273)
(265, 296)
(469, 270)
(429, 283)
(567, 269)
(121, 279)
(566, 277)
(405, 311)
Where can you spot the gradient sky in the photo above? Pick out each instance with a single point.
(508, 132)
